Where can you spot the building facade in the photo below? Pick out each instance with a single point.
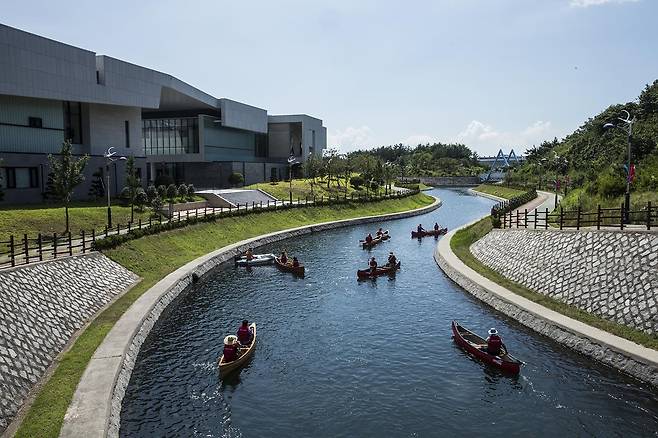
(51, 92)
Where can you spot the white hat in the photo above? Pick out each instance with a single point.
(230, 340)
(493, 331)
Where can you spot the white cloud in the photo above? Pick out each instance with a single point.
(486, 140)
(588, 3)
(350, 138)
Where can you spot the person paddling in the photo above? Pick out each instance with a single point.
(249, 254)
(373, 265)
(494, 342)
(244, 333)
(230, 348)
(420, 228)
(436, 226)
(284, 257)
(295, 262)
(392, 260)
(369, 238)
(380, 232)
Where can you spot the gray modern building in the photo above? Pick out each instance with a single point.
(51, 91)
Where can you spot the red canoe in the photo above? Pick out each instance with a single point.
(439, 232)
(472, 343)
(384, 270)
(288, 267)
(375, 240)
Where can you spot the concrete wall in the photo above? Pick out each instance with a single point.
(314, 136)
(449, 180)
(108, 130)
(42, 306)
(242, 116)
(612, 274)
(81, 192)
(15, 133)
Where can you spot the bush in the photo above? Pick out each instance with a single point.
(357, 181)
(141, 199)
(156, 205)
(163, 180)
(162, 191)
(496, 222)
(182, 192)
(235, 178)
(190, 192)
(151, 193)
(172, 192)
(610, 185)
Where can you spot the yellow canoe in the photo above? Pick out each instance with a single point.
(244, 355)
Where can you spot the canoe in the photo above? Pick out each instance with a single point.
(471, 343)
(245, 354)
(439, 232)
(382, 270)
(288, 267)
(375, 240)
(259, 259)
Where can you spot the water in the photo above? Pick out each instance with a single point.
(341, 358)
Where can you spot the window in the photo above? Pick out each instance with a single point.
(35, 122)
(22, 177)
(73, 122)
(126, 126)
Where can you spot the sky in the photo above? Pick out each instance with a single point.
(486, 73)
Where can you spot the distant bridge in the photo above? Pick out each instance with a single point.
(498, 165)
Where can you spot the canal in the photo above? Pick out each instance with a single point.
(341, 358)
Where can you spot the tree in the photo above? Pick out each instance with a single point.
(312, 168)
(172, 193)
(182, 192)
(133, 184)
(97, 189)
(67, 175)
(151, 193)
(156, 206)
(191, 190)
(235, 178)
(162, 191)
(330, 158)
(141, 199)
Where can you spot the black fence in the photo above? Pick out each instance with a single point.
(646, 218)
(22, 250)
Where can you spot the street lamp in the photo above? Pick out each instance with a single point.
(291, 161)
(627, 127)
(110, 157)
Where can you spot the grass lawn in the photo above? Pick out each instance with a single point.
(460, 245)
(499, 190)
(50, 218)
(302, 188)
(424, 187)
(145, 257)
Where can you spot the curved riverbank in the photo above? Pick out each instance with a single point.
(629, 357)
(96, 405)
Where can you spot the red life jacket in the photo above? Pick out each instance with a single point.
(230, 353)
(244, 335)
(494, 344)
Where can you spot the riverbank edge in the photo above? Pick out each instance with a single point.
(626, 356)
(96, 405)
(486, 195)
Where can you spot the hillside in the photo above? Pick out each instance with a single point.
(592, 159)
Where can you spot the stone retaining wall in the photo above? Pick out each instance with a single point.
(633, 366)
(41, 307)
(612, 274)
(95, 410)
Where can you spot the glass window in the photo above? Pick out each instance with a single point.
(21, 177)
(73, 122)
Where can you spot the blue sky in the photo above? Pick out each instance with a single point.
(488, 73)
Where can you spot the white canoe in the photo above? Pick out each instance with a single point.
(259, 259)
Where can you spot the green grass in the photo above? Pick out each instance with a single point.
(145, 257)
(301, 188)
(49, 218)
(499, 190)
(422, 186)
(461, 243)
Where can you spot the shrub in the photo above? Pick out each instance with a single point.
(357, 181)
(182, 192)
(172, 192)
(156, 205)
(190, 192)
(141, 199)
(610, 185)
(235, 178)
(162, 191)
(151, 193)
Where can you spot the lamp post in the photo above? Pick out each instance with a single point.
(291, 161)
(110, 157)
(626, 126)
